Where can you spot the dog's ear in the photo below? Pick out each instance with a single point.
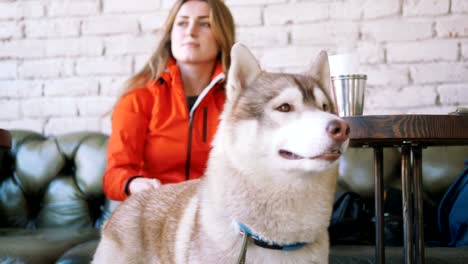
(243, 70)
(320, 71)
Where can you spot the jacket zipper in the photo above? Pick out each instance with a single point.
(191, 115)
(205, 124)
(189, 150)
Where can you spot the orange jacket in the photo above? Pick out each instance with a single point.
(155, 136)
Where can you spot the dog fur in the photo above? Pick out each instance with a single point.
(273, 168)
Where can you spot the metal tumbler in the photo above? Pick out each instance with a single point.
(348, 92)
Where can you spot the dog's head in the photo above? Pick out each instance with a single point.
(274, 122)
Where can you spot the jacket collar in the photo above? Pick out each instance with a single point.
(172, 71)
(172, 75)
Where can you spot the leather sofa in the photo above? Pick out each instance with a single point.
(52, 205)
(51, 195)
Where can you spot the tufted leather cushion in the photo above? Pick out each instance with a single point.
(82, 253)
(55, 182)
(51, 194)
(357, 169)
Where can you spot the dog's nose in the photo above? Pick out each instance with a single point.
(338, 130)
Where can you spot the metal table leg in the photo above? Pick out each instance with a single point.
(418, 205)
(407, 203)
(378, 191)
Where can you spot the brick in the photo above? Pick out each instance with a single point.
(351, 9)
(41, 68)
(431, 110)
(452, 27)
(25, 124)
(106, 125)
(263, 36)
(49, 106)
(71, 87)
(291, 56)
(73, 8)
(129, 44)
(386, 75)
(112, 86)
(370, 53)
(425, 51)
(20, 88)
(95, 106)
(139, 62)
(60, 125)
(296, 13)
(406, 97)
(167, 4)
(439, 73)
(397, 30)
(73, 47)
(8, 69)
(377, 110)
(106, 25)
(459, 6)
(60, 27)
(230, 3)
(380, 9)
(464, 50)
(68, 68)
(153, 21)
(103, 66)
(23, 48)
(425, 7)
(453, 94)
(7, 89)
(21, 9)
(325, 33)
(125, 6)
(10, 109)
(10, 29)
(247, 16)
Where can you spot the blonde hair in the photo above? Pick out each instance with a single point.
(222, 25)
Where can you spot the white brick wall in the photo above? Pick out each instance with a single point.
(67, 8)
(21, 9)
(296, 13)
(380, 9)
(125, 6)
(63, 62)
(396, 29)
(425, 7)
(453, 27)
(46, 28)
(459, 6)
(431, 50)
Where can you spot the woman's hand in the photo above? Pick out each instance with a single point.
(141, 184)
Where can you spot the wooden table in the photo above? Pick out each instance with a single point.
(411, 133)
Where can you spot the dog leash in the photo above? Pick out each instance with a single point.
(243, 253)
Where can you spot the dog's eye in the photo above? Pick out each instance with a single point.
(284, 108)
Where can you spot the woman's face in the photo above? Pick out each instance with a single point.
(192, 40)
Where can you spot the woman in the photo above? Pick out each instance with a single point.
(163, 125)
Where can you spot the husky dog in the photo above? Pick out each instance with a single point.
(271, 179)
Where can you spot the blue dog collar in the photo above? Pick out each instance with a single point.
(270, 245)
